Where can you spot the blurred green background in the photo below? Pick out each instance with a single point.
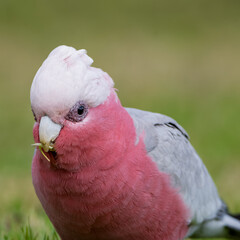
(180, 58)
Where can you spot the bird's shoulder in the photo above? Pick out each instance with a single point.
(168, 145)
(155, 126)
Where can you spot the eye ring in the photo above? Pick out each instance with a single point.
(78, 112)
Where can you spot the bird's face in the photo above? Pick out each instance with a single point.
(71, 102)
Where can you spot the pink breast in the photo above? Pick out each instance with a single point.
(121, 195)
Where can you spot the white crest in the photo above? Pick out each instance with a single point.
(64, 78)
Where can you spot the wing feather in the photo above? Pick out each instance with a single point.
(167, 143)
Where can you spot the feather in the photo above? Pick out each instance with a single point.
(168, 145)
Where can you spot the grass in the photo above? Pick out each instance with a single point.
(178, 58)
(28, 234)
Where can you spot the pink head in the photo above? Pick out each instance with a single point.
(74, 106)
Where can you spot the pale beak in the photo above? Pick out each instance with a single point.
(48, 132)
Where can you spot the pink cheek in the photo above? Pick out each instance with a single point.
(76, 126)
(36, 132)
(63, 136)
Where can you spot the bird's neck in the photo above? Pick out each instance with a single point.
(99, 144)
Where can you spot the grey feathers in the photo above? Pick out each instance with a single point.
(167, 143)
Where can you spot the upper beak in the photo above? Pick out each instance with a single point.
(48, 132)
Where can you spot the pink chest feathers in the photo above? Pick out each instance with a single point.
(130, 201)
(117, 192)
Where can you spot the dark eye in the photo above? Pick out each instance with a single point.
(81, 109)
(78, 112)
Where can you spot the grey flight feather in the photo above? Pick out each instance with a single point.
(167, 143)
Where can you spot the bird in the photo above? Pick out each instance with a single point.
(103, 171)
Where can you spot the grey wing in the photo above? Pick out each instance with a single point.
(167, 143)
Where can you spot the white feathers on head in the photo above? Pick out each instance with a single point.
(64, 78)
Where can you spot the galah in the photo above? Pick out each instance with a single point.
(102, 171)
